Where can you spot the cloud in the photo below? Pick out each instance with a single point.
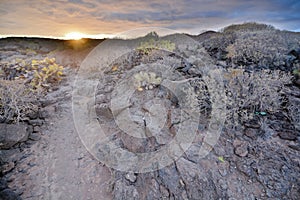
(57, 17)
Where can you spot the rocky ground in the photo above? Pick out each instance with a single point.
(255, 157)
(43, 158)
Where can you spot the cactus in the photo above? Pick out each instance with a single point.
(146, 80)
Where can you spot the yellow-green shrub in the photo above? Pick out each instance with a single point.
(147, 46)
(46, 73)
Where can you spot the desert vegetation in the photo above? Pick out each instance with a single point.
(251, 69)
(153, 42)
(23, 83)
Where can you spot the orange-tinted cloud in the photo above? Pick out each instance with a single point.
(58, 17)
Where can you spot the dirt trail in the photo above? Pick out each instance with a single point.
(62, 167)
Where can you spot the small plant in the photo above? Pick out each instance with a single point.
(46, 72)
(296, 72)
(146, 80)
(221, 159)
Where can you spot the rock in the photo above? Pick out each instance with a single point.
(3, 184)
(108, 89)
(44, 113)
(240, 148)
(36, 122)
(7, 167)
(35, 136)
(297, 82)
(222, 63)
(251, 133)
(36, 129)
(10, 155)
(8, 194)
(130, 177)
(195, 179)
(295, 147)
(252, 125)
(122, 191)
(33, 115)
(193, 152)
(12, 134)
(223, 184)
(101, 98)
(195, 72)
(170, 178)
(29, 129)
(164, 192)
(104, 111)
(288, 135)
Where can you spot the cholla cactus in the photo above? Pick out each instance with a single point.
(146, 80)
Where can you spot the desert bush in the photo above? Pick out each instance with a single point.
(253, 93)
(21, 83)
(258, 45)
(217, 44)
(46, 73)
(152, 42)
(16, 101)
(294, 111)
(40, 74)
(266, 48)
(247, 27)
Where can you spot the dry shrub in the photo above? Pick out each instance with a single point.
(248, 93)
(16, 101)
(246, 27)
(258, 45)
(262, 48)
(217, 44)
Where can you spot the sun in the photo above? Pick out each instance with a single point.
(74, 36)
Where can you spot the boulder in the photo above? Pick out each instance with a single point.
(288, 135)
(11, 134)
(8, 194)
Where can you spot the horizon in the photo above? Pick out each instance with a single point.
(122, 36)
(105, 19)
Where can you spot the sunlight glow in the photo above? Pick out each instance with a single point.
(74, 36)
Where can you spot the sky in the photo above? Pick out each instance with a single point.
(100, 18)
